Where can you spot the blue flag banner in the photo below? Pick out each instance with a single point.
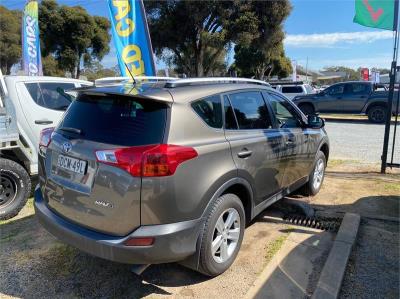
(31, 58)
(131, 37)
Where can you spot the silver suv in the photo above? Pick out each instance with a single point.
(173, 171)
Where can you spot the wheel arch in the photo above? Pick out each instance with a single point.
(324, 147)
(375, 104)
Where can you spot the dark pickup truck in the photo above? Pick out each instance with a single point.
(358, 97)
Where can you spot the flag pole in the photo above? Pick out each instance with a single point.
(393, 71)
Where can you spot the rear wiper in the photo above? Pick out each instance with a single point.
(71, 130)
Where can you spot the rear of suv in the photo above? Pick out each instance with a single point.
(166, 172)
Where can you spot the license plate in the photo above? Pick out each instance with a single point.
(72, 164)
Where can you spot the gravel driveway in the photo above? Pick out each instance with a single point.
(359, 140)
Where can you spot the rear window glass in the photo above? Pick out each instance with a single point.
(292, 89)
(117, 120)
(210, 110)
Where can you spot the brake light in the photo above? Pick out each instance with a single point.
(148, 161)
(45, 137)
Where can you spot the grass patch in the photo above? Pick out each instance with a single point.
(392, 187)
(274, 246)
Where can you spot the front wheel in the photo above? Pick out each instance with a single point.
(222, 235)
(317, 176)
(377, 114)
(307, 109)
(15, 187)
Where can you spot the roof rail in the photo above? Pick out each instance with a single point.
(119, 80)
(194, 81)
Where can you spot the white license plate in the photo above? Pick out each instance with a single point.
(71, 164)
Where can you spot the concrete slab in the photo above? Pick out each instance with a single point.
(289, 273)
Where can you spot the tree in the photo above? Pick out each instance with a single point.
(71, 35)
(96, 71)
(10, 38)
(193, 35)
(50, 67)
(264, 55)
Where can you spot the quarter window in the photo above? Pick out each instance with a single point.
(250, 110)
(210, 110)
(292, 89)
(285, 114)
(51, 95)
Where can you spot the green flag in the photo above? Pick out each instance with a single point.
(375, 13)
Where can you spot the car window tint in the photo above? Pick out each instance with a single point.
(117, 120)
(210, 110)
(335, 90)
(359, 88)
(292, 89)
(51, 95)
(250, 110)
(230, 120)
(284, 112)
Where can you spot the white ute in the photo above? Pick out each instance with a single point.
(27, 106)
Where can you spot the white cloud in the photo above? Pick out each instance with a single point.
(331, 39)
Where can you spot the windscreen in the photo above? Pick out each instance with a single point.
(116, 120)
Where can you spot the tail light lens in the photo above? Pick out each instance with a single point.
(148, 161)
(45, 139)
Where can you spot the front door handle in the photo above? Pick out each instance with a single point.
(244, 153)
(43, 122)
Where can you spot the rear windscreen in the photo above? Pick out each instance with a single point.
(116, 120)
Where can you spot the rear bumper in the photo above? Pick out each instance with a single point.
(173, 242)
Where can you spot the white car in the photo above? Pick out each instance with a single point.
(27, 106)
(292, 90)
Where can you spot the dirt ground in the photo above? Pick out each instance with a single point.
(33, 264)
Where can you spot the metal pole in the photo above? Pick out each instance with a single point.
(393, 70)
(395, 125)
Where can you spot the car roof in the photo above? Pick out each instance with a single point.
(182, 94)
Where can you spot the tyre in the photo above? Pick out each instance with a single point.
(377, 114)
(307, 109)
(317, 176)
(15, 187)
(222, 235)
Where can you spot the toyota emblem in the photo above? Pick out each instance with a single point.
(66, 147)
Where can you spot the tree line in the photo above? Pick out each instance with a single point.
(192, 37)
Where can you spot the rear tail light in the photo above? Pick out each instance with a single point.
(45, 137)
(148, 161)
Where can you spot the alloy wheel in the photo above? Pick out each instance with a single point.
(226, 235)
(319, 171)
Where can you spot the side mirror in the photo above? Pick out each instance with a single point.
(315, 122)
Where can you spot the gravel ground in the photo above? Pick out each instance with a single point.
(373, 268)
(33, 264)
(359, 140)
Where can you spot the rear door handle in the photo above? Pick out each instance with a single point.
(244, 153)
(43, 122)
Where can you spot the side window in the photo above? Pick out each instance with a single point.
(230, 120)
(359, 88)
(335, 90)
(51, 95)
(210, 110)
(250, 110)
(285, 114)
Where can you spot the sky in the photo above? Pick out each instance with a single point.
(321, 32)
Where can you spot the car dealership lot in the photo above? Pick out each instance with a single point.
(359, 140)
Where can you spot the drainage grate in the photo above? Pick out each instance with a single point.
(323, 223)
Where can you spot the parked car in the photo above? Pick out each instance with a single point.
(293, 90)
(357, 97)
(27, 105)
(173, 171)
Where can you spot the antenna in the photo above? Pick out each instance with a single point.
(130, 73)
